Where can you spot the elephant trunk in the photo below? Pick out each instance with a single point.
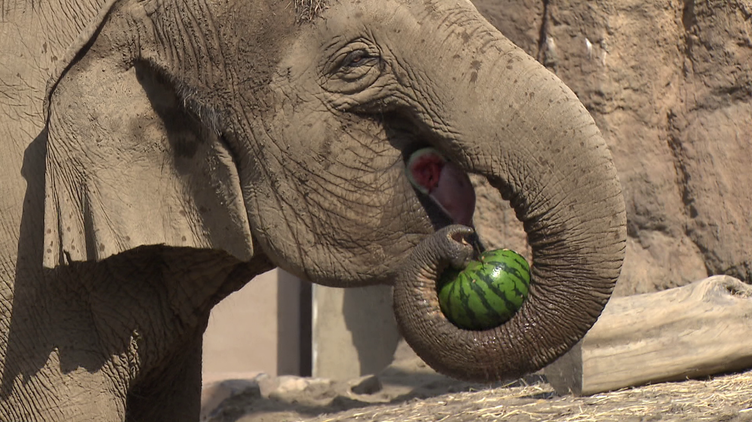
(511, 120)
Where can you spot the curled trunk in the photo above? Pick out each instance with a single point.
(540, 148)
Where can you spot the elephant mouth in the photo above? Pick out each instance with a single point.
(444, 183)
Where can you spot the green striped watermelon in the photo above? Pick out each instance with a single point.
(487, 292)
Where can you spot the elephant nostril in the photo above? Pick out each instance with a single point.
(460, 237)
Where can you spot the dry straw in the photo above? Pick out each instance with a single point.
(722, 398)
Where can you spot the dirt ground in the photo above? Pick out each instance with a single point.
(408, 391)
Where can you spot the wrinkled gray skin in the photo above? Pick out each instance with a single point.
(158, 154)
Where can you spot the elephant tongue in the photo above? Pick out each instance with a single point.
(445, 183)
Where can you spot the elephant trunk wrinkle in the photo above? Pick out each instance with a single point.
(509, 119)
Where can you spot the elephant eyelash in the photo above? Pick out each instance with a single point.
(355, 67)
(356, 59)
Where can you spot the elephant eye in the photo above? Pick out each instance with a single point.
(357, 58)
(354, 68)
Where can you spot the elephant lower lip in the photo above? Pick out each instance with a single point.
(455, 194)
(444, 182)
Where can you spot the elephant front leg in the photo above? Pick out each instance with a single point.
(52, 395)
(173, 393)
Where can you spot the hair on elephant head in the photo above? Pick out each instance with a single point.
(332, 139)
(306, 10)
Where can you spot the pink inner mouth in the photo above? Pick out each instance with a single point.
(444, 182)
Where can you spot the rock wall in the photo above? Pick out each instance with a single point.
(669, 83)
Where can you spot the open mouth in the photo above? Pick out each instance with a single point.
(444, 183)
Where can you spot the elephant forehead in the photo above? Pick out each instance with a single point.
(341, 23)
(343, 15)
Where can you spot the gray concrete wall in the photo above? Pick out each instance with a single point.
(354, 332)
(258, 329)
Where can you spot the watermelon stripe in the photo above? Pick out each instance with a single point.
(521, 285)
(453, 296)
(486, 293)
(465, 289)
(481, 290)
(513, 274)
(522, 273)
(447, 291)
(497, 291)
(445, 297)
(521, 279)
(458, 308)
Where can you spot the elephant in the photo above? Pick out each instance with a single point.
(159, 154)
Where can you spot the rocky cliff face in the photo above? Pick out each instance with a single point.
(669, 83)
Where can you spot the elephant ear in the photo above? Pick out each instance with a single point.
(129, 165)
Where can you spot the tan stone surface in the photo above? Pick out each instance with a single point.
(354, 331)
(669, 83)
(249, 332)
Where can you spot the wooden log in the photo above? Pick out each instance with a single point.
(693, 331)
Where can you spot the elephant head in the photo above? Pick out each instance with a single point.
(265, 130)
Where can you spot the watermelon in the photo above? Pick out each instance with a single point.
(487, 293)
